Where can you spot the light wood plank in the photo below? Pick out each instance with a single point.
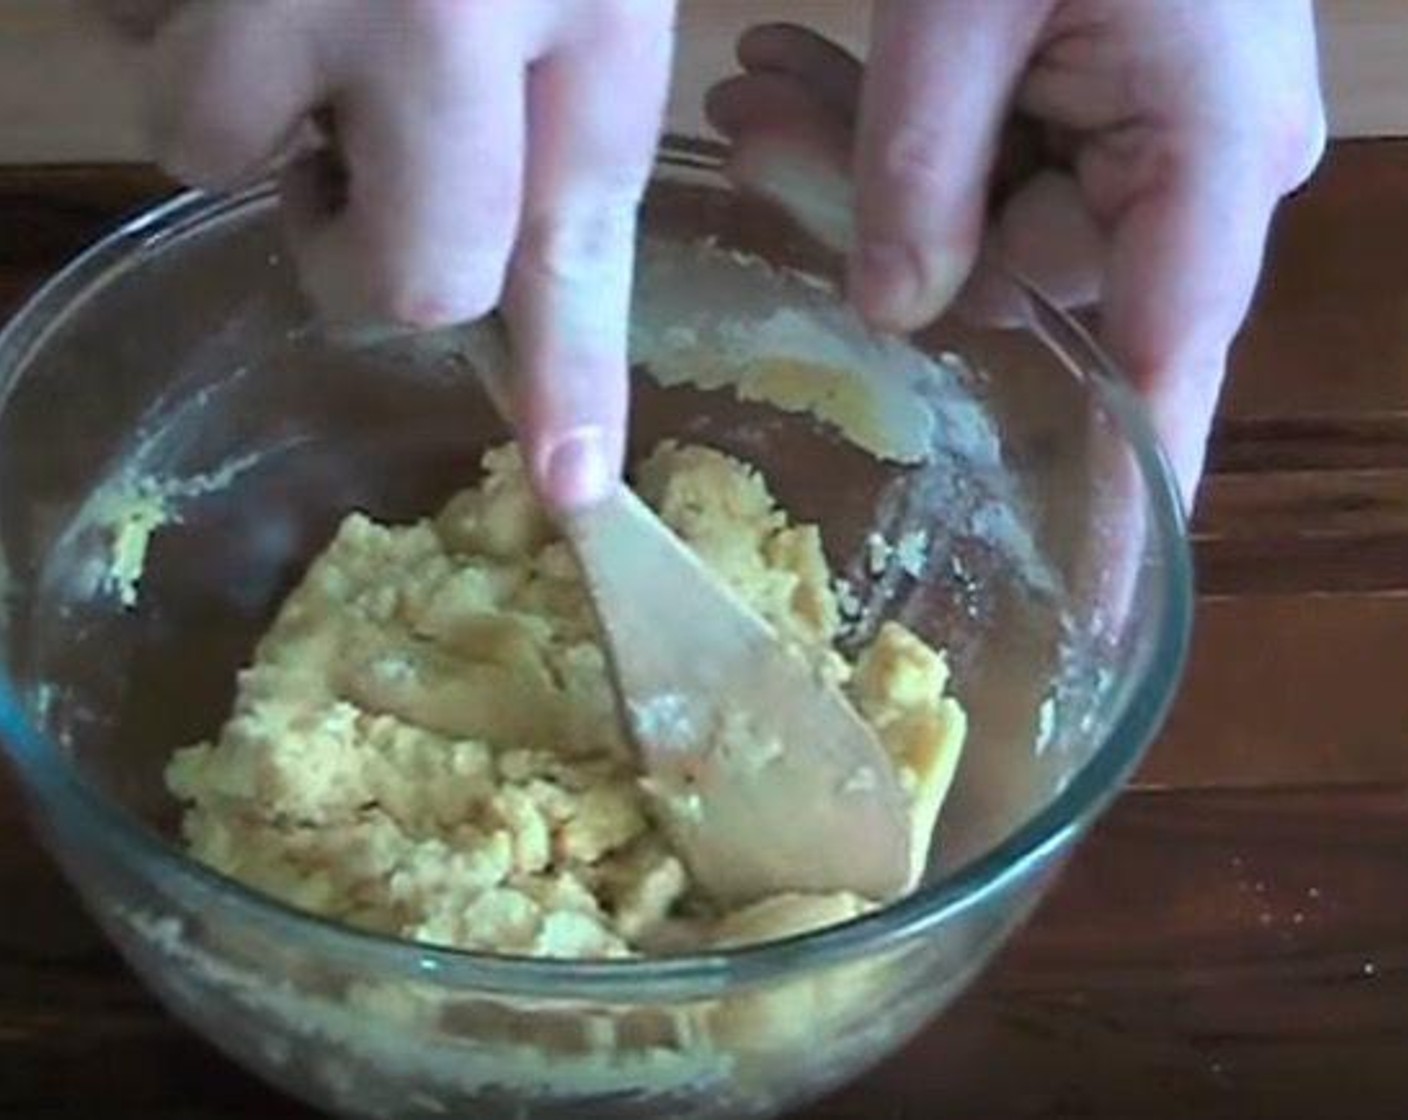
(66, 96)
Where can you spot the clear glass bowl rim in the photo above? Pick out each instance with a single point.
(92, 819)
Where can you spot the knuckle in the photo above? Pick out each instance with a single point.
(198, 131)
(194, 145)
(573, 248)
(1299, 144)
(912, 156)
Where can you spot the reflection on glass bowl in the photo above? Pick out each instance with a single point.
(178, 439)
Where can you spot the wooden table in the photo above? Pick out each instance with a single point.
(1233, 939)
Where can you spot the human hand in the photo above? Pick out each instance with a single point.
(1171, 129)
(486, 154)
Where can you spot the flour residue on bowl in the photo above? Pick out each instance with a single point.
(149, 487)
(131, 508)
(392, 1032)
(713, 318)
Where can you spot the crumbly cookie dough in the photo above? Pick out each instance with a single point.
(426, 743)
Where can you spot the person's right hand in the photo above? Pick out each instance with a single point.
(489, 153)
(1167, 133)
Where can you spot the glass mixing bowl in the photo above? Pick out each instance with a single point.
(175, 369)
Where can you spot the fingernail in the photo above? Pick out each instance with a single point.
(427, 313)
(885, 283)
(576, 470)
(947, 274)
(894, 289)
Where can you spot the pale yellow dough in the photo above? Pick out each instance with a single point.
(426, 743)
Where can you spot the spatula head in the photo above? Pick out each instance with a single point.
(763, 773)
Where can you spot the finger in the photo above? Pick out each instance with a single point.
(1188, 237)
(430, 128)
(790, 147)
(229, 85)
(768, 102)
(1045, 234)
(829, 71)
(595, 108)
(939, 81)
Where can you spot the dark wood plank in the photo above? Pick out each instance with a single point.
(1292, 690)
(1231, 943)
(1215, 955)
(1300, 504)
(56, 210)
(1329, 336)
(1294, 443)
(1305, 565)
(1303, 530)
(1220, 954)
(50, 213)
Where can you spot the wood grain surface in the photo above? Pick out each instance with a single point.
(93, 112)
(1233, 939)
